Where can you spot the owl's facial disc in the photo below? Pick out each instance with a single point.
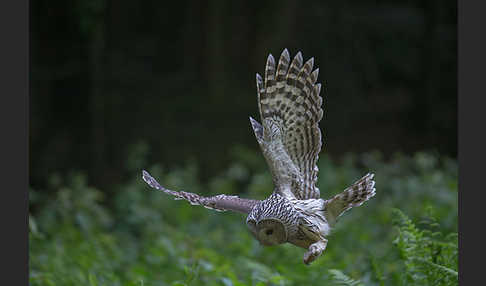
(271, 232)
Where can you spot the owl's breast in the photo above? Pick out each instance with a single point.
(312, 225)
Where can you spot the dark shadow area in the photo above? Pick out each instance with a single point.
(180, 77)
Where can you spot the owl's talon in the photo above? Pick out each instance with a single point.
(315, 250)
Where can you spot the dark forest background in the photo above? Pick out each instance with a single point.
(178, 78)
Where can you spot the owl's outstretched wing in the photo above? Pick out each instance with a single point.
(290, 109)
(218, 203)
(353, 196)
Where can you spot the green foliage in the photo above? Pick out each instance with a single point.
(133, 235)
(339, 278)
(430, 258)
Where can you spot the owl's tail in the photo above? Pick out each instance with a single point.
(353, 196)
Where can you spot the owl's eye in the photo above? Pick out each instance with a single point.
(269, 232)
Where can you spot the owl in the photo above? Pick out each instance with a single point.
(289, 137)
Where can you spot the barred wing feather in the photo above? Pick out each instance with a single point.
(290, 109)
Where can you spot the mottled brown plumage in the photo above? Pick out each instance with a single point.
(289, 105)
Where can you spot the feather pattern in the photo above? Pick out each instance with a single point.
(353, 196)
(217, 203)
(290, 110)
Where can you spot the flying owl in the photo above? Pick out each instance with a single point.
(290, 139)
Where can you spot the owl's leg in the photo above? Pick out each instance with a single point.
(315, 250)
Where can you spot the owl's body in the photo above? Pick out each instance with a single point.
(290, 139)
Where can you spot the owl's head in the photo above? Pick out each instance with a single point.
(270, 220)
(268, 231)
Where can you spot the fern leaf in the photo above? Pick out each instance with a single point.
(339, 278)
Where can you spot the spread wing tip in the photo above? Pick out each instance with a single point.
(150, 180)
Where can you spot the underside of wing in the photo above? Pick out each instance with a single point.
(290, 109)
(218, 203)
